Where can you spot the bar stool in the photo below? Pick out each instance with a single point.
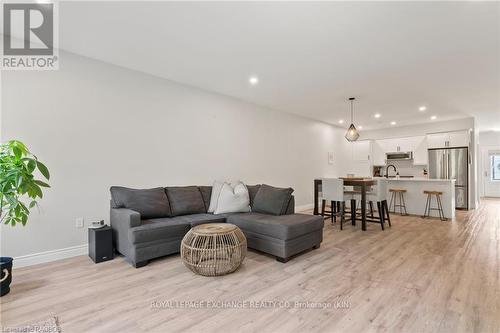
(397, 193)
(428, 204)
(333, 191)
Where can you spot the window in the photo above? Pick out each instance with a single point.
(495, 166)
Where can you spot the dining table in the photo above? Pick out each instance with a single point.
(361, 185)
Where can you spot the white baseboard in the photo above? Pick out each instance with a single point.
(79, 250)
(48, 256)
(302, 208)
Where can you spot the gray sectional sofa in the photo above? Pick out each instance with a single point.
(151, 223)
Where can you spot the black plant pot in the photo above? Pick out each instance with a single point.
(5, 275)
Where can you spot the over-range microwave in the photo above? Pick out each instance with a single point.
(399, 156)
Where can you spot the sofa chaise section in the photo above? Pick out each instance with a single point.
(282, 236)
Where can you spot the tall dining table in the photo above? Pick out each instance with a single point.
(361, 183)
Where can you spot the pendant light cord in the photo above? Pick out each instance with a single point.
(352, 118)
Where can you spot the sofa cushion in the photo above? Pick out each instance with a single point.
(150, 203)
(252, 191)
(282, 227)
(271, 200)
(196, 219)
(185, 200)
(206, 193)
(151, 230)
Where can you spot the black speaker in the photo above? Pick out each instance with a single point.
(101, 244)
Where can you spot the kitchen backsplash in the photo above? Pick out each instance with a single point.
(406, 168)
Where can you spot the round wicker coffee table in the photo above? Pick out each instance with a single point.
(213, 249)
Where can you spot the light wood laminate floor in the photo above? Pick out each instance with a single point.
(418, 276)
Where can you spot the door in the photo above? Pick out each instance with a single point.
(492, 174)
(458, 162)
(437, 164)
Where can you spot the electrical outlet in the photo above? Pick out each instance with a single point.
(79, 222)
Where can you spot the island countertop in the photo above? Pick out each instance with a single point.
(416, 179)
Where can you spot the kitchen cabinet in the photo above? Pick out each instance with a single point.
(448, 139)
(420, 154)
(361, 150)
(378, 154)
(396, 145)
(415, 144)
(388, 145)
(459, 139)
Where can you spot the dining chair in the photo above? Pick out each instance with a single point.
(333, 191)
(379, 195)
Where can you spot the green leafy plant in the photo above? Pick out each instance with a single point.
(17, 182)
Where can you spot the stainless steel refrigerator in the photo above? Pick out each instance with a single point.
(452, 163)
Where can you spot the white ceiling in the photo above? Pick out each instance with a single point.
(309, 57)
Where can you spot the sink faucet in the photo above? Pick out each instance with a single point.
(387, 170)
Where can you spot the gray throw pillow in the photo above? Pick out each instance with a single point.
(271, 200)
(252, 191)
(185, 200)
(150, 203)
(206, 193)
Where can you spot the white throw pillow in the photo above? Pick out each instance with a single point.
(216, 187)
(233, 199)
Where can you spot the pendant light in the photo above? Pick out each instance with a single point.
(352, 133)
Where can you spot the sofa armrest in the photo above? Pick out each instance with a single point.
(123, 218)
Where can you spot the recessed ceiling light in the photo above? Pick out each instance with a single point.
(377, 115)
(341, 121)
(254, 80)
(422, 108)
(360, 127)
(433, 117)
(393, 123)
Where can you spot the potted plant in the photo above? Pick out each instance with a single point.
(19, 192)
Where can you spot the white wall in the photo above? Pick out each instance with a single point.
(488, 141)
(97, 125)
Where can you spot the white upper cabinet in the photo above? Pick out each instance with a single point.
(406, 144)
(396, 145)
(420, 154)
(378, 154)
(361, 150)
(388, 145)
(449, 139)
(437, 140)
(459, 139)
(415, 144)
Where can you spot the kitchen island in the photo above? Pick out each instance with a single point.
(415, 198)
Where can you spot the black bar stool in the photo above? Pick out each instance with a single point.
(397, 193)
(439, 207)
